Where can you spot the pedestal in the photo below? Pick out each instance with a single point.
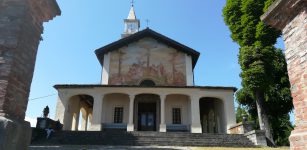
(196, 128)
(130, 127)
(14, 134)
(162, 128)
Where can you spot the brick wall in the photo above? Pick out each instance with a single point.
(21, 25)
(295, 37)
(290, 16)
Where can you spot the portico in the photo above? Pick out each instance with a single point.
(135, 108)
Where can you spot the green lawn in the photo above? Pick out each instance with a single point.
(222, 148)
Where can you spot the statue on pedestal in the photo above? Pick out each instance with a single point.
(46, 112)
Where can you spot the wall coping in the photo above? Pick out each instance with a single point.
(282, 11)
(254, 132)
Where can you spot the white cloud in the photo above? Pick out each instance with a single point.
(31, 120)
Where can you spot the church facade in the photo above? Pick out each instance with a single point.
(147, 84)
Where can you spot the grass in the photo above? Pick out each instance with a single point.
(223, 148)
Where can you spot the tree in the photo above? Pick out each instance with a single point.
(278, 101)
(262, 74)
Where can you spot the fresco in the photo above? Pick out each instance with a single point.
(147, 59)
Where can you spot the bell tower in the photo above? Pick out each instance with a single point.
(132, 24)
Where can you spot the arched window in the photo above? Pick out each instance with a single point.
(147, 83)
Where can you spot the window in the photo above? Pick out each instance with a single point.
(176, 116)
(118, 114)
(147, 83)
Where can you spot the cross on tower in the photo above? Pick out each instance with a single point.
(147, 22)
(132, 2)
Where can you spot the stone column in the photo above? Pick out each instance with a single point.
(290, 16)
(162, 123)
(84, 120)
(97, 113)
(75, 121)
(62, 113)
(21, 26)
(130, 126)
(229, 112)
(195, 116)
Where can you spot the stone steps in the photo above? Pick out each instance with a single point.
(140, 139)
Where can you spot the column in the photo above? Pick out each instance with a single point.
(97, 113)
(229, 111)
(130, 126)
(84, 120)
(195, 117)
(75, 121)
(162, 108)
(290, 16)
(21, 28)
(62, 113)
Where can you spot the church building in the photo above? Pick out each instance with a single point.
(147, 84)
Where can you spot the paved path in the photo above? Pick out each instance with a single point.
(108, 148)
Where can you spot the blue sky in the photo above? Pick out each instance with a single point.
(66, 54)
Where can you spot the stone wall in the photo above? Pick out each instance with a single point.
(21, 26)
(257, 137)
(290, 16)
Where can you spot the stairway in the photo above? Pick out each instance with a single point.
(122, 138)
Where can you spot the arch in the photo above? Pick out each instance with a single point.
(146, 112)
(212, 115)
(111, 101)
(73, 95)
(79, 107)
(179, 104)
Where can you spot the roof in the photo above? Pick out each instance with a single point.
(66, 86)
(142, 34)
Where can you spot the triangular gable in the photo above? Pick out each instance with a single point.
(147, 33)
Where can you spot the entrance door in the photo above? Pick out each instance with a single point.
(147, 117)
(147, 121)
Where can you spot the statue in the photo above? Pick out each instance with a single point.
(46, 112)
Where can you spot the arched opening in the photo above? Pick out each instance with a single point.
(177, 112)
(148, 83)
(115, 111)
(147, 112)
(212, 115)
(79, 109)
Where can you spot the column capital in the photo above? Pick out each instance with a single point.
(194, 97)
(98, 95)
(162, 96)
(131, 96)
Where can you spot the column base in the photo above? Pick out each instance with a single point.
(298, 139)
(14, 134)
(130, 127)
(196, 128)
(95, 127)
(162, 128)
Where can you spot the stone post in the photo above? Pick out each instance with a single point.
(195, 115)
(21, 26)
(290, 16)
(162, 123)
(130, 126)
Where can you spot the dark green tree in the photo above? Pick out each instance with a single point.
(264, 76)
